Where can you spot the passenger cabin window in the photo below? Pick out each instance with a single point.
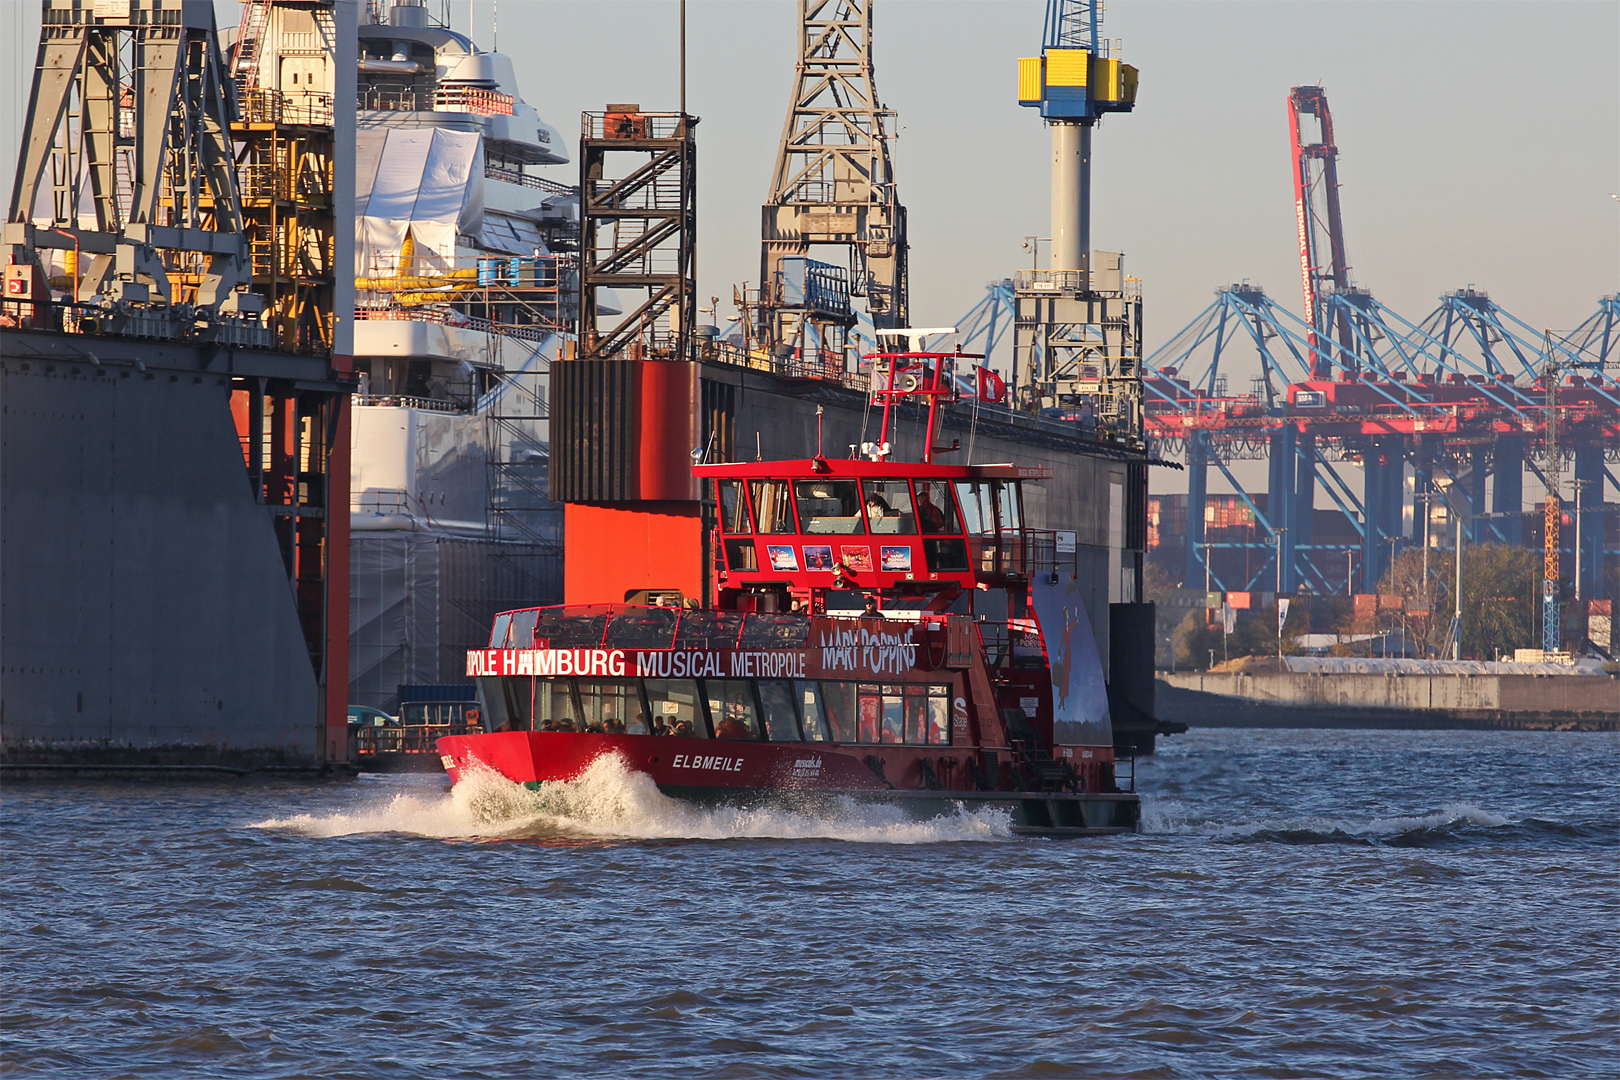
(781, 720)
(608, 708)
(675, 708)
(838, 704)
(497, 634)
(905, 713)
(936, 510)
(773, 506)
(888, 507)
(810, 709)
(733, 508)
(830, 506)
(731, 707)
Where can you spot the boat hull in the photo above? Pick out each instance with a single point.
(802, 777)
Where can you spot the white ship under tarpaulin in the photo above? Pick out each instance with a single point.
(465, 280)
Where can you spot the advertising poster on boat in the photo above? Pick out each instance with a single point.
(1079, 692)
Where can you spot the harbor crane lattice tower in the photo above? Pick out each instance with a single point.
(1077, 338)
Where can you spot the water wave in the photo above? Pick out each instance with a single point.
(1449, 821)
(611, 800)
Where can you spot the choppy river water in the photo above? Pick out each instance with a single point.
(1303, 904)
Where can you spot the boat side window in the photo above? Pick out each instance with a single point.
(810, 707)
(732, 709)
(674, 708)
(703, 629)
(733, 508)
(571, 631)
(774, 632)
(773, 506)
(916, 714)
(830, 506)
(497, 634)
(894, 700)
(978, 509)
(869, 725)
(939, 715)
(936, 510)
(643, 628)
(781, 721)
(608, 707)
(888, 507)
(522, 636)
(838, 703)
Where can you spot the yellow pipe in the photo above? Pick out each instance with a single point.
(416, 281)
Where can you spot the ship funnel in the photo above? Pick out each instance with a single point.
(408, 13)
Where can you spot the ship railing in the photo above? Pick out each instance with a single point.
(408, 401)
(278, 107)
(824, 364)
(394, 100)
(632, 125)
(407, 738)
(1023, 553)
(536, 332)
(523, 179)
(1125, 779)
(472, 100)
(621, 626)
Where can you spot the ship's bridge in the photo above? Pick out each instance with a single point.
(819, 533)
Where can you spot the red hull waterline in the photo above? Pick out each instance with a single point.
(802, 777)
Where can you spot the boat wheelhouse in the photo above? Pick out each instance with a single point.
(880, 630)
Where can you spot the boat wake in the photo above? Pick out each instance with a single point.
(612, 801)
(1450, 823)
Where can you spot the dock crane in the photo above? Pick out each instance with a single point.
(1077, 340)
(1322, 264)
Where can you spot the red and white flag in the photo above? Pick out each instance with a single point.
(991, 386)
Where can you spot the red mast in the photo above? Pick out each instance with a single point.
(1322, 262)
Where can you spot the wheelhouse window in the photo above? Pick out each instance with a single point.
(731, 707)
(781, 719)
(978, 507)
(936, 509)
(830, 506)
(733, 508)
(888, 507)
(740, 554)
(1009, 512)
(773, 506)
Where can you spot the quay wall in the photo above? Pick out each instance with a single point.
(1227, 699)
(146, 617)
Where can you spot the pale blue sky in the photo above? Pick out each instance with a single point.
(1479, 142)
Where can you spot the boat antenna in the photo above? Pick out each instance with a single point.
(683, 59)
(818, 430)
(495, 26)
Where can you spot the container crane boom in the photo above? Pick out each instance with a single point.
(1322, 263)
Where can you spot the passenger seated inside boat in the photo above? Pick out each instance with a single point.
(683, 728)
(731, 729)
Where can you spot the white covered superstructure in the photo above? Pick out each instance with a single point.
(465, 280)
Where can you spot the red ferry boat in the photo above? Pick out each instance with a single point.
(881, 631)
